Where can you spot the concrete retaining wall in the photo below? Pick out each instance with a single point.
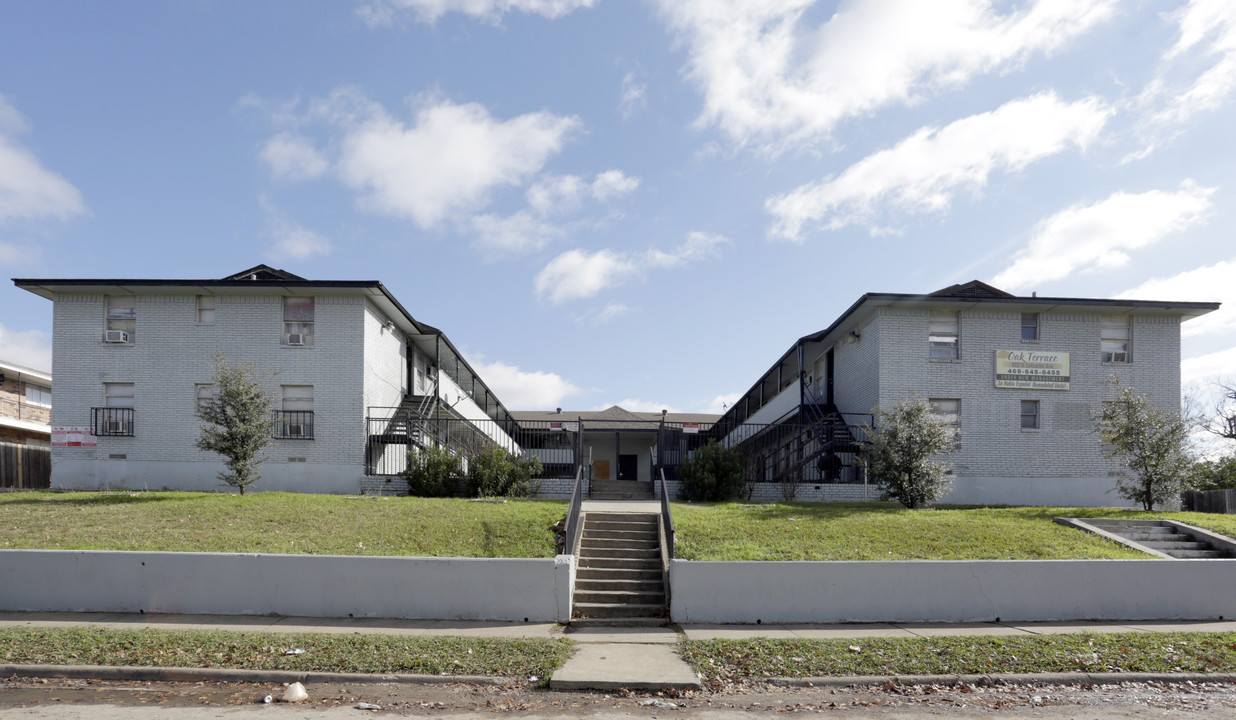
(951, 591)
(537, 590)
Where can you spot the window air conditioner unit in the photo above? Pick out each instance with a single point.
(115, 336)
(1120, 357)
(296, 430)
(296, 339)
(116, 427)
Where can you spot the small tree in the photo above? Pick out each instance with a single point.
(494, 472)
(239, 421)
(432, 472)
(713, 472)
(1213, 474)
(1222, 421)
(1150, 440)
(904, 453)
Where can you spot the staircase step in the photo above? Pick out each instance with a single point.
(618, 573)
(643, 585)
(589, 551)
(1196, 554)
(619, 597)
(605, 610)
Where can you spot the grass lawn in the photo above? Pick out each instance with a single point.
(879, 531)
(324, 652)
(278, 523)
(723, 661)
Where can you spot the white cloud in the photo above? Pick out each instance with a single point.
(29, 191)
(613, 183)
(697, 246)
(31, 348)
(293, 157)
(721, 403)
(14, 255)
(633, 96)
(769, 77)
(525, 390)
(1221, 364)
(391, 12)
(291, 241)
(579, 274)
(1211, 283)
(502, 236)
(923, 172)
(611, 311)
(557, 194)
(1208, 27)
(448, 160)
(1095, 236)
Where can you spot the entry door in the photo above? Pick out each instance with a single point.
(600, 469)
(628, 467)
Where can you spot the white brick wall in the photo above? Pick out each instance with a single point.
(172, 352)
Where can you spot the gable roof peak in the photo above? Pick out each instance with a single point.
(264, 272)
(972, 289)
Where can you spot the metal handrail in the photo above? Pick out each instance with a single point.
(667, 522)
(573, 528)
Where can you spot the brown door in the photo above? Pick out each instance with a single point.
(600, 469)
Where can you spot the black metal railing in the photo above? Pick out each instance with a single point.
(667, 524)
(573, 526)
(112, 422)
(293, 425)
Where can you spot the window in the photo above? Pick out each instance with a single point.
(942, 334)
(116, 415)
(295, 420)
(203, 392)
(297, 320)
(1029, 327)
(206, 309)
(120, 323)
(38, 395)
(948, 410)
(1114, 339)
(1029, 414)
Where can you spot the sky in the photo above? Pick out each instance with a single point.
(614, 202)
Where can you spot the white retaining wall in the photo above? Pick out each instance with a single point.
(951, 591)
(535, 590)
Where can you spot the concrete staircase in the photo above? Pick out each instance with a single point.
(619, 580)
(620, 490)
(1161, 537)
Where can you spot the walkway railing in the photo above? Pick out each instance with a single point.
(573, 526)
(667, 524)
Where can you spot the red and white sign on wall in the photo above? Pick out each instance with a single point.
(691, 427)
(72, 437)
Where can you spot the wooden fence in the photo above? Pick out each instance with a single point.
(23, 466)
(1209, 501)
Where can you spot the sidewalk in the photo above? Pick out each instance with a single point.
(637, 658)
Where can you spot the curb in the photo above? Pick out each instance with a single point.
(1052, 678)
(178, 674)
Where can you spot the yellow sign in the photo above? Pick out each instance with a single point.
(1032, 369)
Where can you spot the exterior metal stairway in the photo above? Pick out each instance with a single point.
(620, 579)
(826, 433)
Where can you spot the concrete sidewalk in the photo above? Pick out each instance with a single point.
(637, 658)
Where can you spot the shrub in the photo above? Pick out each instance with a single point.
(239, 420)
(713, 472)
(432, 472)
(494, 472)
(1213, 474)
(1150, 440)
(903, 456)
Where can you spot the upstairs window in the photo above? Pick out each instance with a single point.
(1114, 339)
(297, 321)
(1029, 327)
(120, 318)
(38, 395)
(943, 335)
(205, 309)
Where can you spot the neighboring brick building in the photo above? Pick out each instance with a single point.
(1025, 438)
(133, 357)
(25, 405)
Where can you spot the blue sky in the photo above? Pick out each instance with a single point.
(641, 203)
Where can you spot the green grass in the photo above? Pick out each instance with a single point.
(879, 531)
(278, 523)
(324, 652)
(722, 661)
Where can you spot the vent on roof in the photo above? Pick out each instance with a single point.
(974, 289)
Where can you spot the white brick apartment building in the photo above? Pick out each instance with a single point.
(132, 357)
(1019, 376)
